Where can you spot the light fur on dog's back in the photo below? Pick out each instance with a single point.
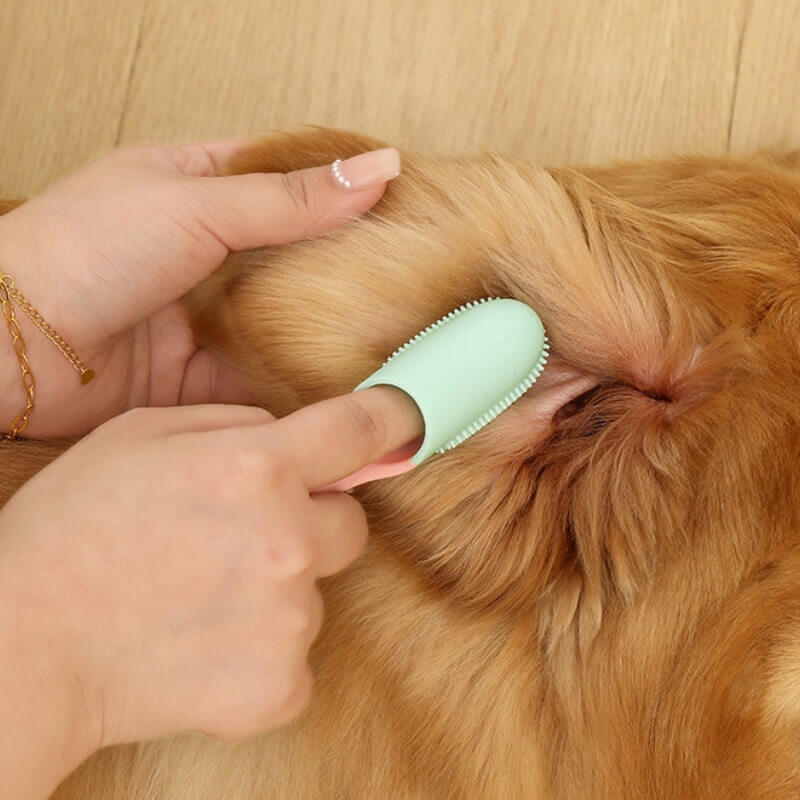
(605, 609)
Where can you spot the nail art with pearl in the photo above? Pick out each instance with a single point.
(337, 174)
(366, 169)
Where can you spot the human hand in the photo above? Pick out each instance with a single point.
(106, 254)
(161, 575)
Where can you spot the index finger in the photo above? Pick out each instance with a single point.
(330, 440)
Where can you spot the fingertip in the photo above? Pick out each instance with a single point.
(252, 210)
(320, 196)
(334, 438)
(366, 170)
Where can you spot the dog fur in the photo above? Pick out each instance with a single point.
(606, 608)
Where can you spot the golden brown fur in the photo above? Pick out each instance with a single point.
(612, 612)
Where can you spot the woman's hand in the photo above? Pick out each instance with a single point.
(161, 575)
(106, 254)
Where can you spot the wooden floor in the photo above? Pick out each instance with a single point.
(555, 80)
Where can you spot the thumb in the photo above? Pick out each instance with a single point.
(208, 378)
(263, 209)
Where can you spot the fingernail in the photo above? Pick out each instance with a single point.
(366, 170)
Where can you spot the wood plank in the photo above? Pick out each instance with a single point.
(767, 110)
(553, 80)
(64, 69)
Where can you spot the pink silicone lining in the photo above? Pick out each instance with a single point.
(395, 463)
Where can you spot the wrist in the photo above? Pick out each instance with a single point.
(47, 727)
(12, 394)
(19, 259)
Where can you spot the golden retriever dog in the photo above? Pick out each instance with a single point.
(597, 598)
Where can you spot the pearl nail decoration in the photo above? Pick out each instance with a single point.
(337, 174)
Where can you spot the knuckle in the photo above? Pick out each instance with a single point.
(270, 702)
(304, 621)
(235, 715)
(191, 160)
(252, 465)
(292, 697)
(289, 557)
(296, 186)
(370, 424)
(299, 623)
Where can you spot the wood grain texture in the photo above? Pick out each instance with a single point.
(64, 70)
(585, 80)
(767, 110)
(540, 78)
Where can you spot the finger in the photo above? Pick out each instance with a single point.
(210, 379)
(153, 422)
(206, 159)
(332, 439)
(316, 616)
(340, 531)
(195, 159)
(262, 209)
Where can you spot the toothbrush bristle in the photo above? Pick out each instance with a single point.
(501, 405)
(508, 400)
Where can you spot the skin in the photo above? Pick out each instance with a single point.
(106, 256)
(193, 605)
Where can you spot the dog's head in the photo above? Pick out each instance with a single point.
(667, 423)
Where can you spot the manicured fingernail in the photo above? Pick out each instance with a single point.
(366, 170)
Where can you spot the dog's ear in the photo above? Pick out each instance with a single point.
(311, 147)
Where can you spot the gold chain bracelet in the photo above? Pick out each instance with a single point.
(9, 294)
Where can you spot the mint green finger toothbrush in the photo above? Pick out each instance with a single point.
(462, 372)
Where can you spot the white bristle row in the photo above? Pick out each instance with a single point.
(509, 399)
(434, 325)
